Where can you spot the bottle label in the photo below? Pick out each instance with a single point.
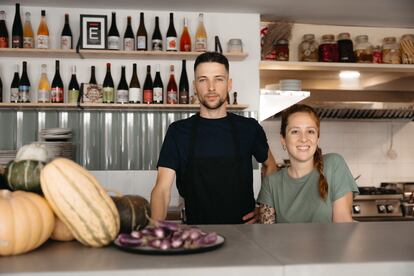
(28, 42)
(171, 43)
(108, 94)
(135, 95)
(14, 95)
(157, 45)
(122, 96)
(56, 95)
(66, 42)
(184, 97)
(129, 44)
(16, 41)
(141, 43)
(147, 96)
(172, 97)
(24, 93)
(73, 96)
(4, 43)
(157, 95)
(113, 43)
(201, 44)
(43, 41)
(43, 95)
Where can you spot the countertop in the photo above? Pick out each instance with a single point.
(375, 248)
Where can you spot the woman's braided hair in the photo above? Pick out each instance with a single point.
(317, 157)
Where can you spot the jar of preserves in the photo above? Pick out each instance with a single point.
(363, 50)
(407, 49)
(345, 48)
(328, 49)
(390, 51)
(235, 45)
(308, 48)
(377, 54)
(282, 50)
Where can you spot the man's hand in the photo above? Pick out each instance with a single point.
(251, 218)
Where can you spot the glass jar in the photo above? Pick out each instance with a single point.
(328, 49)
(308, 48)
(390, 51)
(345, 48)
(377, 54)
(407, 49)
(235, 45)
(282, 50)
(363, 50)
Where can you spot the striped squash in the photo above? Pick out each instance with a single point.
(80, 202)
(24, 175)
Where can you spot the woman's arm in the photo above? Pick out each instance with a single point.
(342, 209)
(267, 214)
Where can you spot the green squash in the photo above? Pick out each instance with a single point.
(3, 184)
(133, 210)
(24, 175)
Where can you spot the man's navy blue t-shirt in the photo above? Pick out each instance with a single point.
(214, 139)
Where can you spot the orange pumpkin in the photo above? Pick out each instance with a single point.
(61, 232)
(27, 221)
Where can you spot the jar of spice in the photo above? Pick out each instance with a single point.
(308, 48)
(282, 50)
(363, 50)
(407, 48)
(345, 48)
(328, 49)
(390, 51)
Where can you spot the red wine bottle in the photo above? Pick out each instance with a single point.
(148, 91)
(24, 86)
(113, 35)
(158, 87)
(57, 95)
(14, 87)
(129, 38)
(92, 80)
(172, 90)
(73, 89)
(156, 36)
(171, 35)
(108, 86)
(4, 34)
(17, 29)
(184, 90)
(122, 91)
(142, 37)
(66, 41)
(135, 94)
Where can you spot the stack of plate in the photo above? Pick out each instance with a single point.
(59, 149)
(55, 134)
(290, 85)
(6, 156)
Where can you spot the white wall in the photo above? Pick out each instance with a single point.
(364, 146)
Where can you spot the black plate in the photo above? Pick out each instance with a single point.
(172, 251)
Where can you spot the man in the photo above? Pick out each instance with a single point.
(211, 154)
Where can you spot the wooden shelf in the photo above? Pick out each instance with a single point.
(58, 106)
(105, 54)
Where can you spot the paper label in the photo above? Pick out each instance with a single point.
(122, 96)
(66, 42)
(113, 43)
(24, 93)
(43, 95)
(172, 97)
(171, 43)
(14, 95)
(148, 96)
(73, 96)
(43, 41)
(129, 44)
(141, 43)
(28, 42)
(201, 44)
(157, 95)
(108, 94)
(135, 95)
(56, 95)
(157, 45)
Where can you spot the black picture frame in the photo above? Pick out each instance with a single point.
(93, 32)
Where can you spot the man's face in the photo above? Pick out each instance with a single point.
(212, 84)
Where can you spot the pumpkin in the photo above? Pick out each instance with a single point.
(61, 232)
(32, 151)
(134, 211)
(26, 222)
(24, 175)
(80, 202)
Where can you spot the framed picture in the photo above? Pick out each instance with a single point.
(93, 31)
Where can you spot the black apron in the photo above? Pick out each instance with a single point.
(214, 190)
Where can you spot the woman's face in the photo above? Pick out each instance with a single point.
(302, 137)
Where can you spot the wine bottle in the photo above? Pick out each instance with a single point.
(73, 89)
(122, 90)
(113, 35)
(185, 40)
(148, 92)
(4, 34)
(142, 37)
(158, 87)
(172, 88)
(57, 95)
(1, 90)
(129, 38)
(156, 36)
(66, 37)
(92, 80)
(43, 91)
(28, 37)
(184, 91)
(24, 86)
(135, 95)
(108, 86)
(14, 87)
(17, 29)
(43, 32)
(171, 35)
(201, 35)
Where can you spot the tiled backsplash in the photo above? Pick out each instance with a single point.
(364, 145)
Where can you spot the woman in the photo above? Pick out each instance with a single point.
(314, 188)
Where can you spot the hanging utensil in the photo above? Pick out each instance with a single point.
(391, 153)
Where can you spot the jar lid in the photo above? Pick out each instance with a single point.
(308, 37)
(328, 37)
(235, 41)
(408, 37)
(343, 36)
(282, 42)
(390, 39)
(362, 38)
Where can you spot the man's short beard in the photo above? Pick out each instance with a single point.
(216, 106)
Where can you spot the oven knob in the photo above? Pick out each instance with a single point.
(357, 209)
(390, 208)
(382, 208)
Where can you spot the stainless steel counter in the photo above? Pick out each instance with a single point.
(376, 248)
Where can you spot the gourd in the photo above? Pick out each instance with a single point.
(61, 232)
(32, 152)
(134, 211)
(24, 175)
(26, 222)
(78, 199)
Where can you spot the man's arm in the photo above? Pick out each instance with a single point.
(161, 193)
(269, 166)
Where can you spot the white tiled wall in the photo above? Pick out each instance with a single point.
(364, 145)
